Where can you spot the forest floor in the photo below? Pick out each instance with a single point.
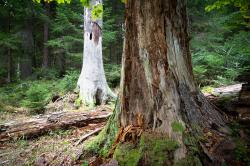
(59, 147)
(56, 147)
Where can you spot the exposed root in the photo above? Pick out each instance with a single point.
(128, 134)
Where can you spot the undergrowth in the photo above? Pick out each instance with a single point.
(36, 94)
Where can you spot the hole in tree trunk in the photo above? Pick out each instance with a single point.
(98, 97)
(90, 36)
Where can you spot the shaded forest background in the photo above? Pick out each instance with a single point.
(41, 48)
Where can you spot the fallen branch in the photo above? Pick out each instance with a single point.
(43, 124)
(86, 136)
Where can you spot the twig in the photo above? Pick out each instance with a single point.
(84, 137)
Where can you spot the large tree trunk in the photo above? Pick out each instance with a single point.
(158, 91)
(45, 63)
(92, 81)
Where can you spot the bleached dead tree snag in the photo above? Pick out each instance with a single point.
(92, 81)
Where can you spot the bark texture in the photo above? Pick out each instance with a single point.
(157, 85)
(92, 81)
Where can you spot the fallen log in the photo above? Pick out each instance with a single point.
(42, 124)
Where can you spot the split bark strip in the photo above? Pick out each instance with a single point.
(39, 125)
(86, 136)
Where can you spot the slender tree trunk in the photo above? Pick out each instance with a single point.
(28, 50)
(92, 82)
(61, 62)
(158, 91)
(9, 67)
(9, 56)
(110, 54)
(45, 38)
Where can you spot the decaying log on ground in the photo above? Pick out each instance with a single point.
(234, 100)
(39, 125)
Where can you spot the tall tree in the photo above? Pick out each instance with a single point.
(92, 82)
(28, 49)
(158, 93)
(45, 63)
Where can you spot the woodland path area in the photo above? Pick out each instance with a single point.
(57, 138)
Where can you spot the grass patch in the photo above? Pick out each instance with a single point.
(177, 127)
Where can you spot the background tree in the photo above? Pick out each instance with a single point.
(92, 81)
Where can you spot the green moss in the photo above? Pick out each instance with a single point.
(102, 143)
(94, 145)
(189, 161)
(177, 127)
(127, 154)
(152, 149)
(241, 151)
(78, 102)
(158, 150)
(85, 163)
(207, 89)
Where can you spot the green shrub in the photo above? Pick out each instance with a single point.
(69, 81)
(48, 74)
(113, 74)
(37, 96)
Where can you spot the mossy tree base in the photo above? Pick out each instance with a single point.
(151, 149)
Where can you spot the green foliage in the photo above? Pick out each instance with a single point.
(241, 151)
(97, 11)
(242, 4)
(66, 38)
(85, 2)
(177, 127)
(48, 74)
(36, 97)
(9, 41)
(36, 94)
(113, 34)
(68, 83)
(113, 74)
(218, 53)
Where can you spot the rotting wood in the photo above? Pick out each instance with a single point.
(39, 125)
